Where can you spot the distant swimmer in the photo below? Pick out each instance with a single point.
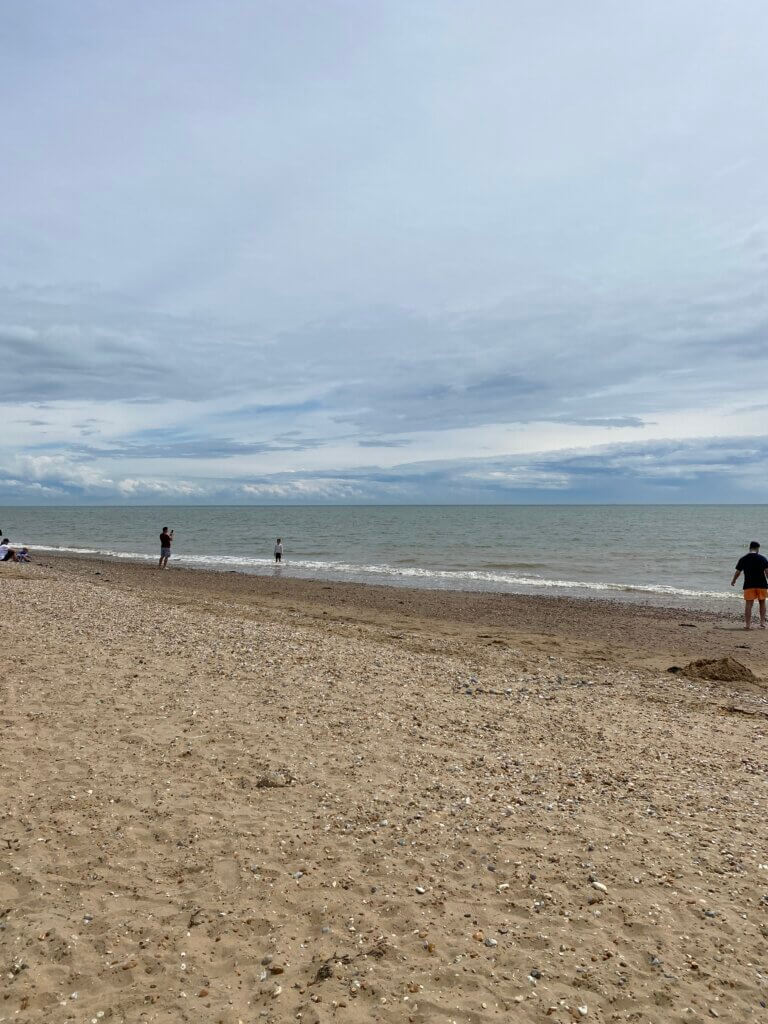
(753, 565)
(278, 550)
(166, 539)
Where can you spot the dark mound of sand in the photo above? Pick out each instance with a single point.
(725, 670)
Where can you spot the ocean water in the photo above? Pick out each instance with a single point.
(662, 554)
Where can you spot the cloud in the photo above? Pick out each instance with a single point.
(61, 472)
(706, 469)
(640, 472)
(332, 489)
(153, 489)
(602, 421)
(192, 448)
(385, 443)
(266, 269)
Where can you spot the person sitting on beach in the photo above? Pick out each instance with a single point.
(278, 550)
(753, 565)
(23, 555)
(166, 538)
(7, 554)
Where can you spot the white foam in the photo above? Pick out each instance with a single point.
(349, 570)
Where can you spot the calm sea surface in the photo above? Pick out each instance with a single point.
(672, 554)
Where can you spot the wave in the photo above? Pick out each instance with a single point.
(475, 579)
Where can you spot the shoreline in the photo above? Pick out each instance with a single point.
(432, 580)
(602, 629)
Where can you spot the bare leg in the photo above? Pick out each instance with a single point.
(762, 614)
(748, 614)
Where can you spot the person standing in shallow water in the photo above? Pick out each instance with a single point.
(753, 565)
(278, 550)
(166, 539)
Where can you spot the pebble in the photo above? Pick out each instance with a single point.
(486, 776)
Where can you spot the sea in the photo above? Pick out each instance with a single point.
(678, 555)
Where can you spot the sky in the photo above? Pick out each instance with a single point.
(282, 251)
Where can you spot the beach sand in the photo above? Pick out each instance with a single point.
(227, 798)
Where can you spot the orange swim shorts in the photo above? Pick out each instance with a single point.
(755, 594)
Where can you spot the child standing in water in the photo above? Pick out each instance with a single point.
(278, 550)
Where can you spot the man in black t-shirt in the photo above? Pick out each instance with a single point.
(166, 538)
(753, 565)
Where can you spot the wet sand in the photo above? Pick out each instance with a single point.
(231, 798)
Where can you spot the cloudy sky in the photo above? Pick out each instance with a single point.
(415, 250)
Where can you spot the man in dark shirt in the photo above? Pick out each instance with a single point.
(165, 548)
(753, 565)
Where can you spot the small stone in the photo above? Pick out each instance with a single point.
(420, 890)
(202, 993)
(600, 887)
(583, 1011)
(491, 942)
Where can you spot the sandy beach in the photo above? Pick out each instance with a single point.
(228, 798)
